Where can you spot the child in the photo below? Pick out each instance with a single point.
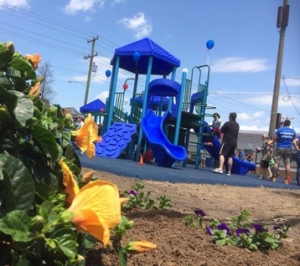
(148, 156)
(267, 154)
(216, 125)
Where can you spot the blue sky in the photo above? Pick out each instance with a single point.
(243, 60)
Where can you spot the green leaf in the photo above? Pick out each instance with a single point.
(45, 181)
(66, 241)
(8, 142)
(22, 184)
(23, 262)
(89, 241)
(6, 97)
(16, 224)
(46, 140)
(6, 83)
(66, 136)
(122, 254)
(7, 193)
(45, 209)
(24, 108)
(221, 242)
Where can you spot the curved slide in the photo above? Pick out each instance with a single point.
(239, 167)
(165, 153)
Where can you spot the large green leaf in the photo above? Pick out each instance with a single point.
(7, 195)
(6, 83)
(22, 184)
(46, 140)
(7, 98)
(16, 224)
(8, 142)
(66, 240)
(24, 108)
(45, 181)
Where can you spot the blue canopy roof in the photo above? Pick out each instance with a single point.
(93, 106)
(163, 61)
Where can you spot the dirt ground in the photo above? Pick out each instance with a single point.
(178, 244)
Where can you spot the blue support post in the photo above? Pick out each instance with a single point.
(149, 70)
(112, 92)
(177, 127)
(173, 78)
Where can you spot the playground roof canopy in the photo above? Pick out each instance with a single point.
(93, 106)
(163, 61)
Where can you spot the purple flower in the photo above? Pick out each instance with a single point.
(209, 230)
(133, 192)
(199, 212)
(223, 226)
(259, 228)
(278, 227)
(239, 231)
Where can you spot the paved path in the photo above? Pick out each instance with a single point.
(179, 174)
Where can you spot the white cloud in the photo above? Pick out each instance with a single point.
(14, 3)
(138, 24)
(103, 96)
(118, 1)
(75, 6)
(255, 128)
(291, 82)
(239, 64)
(258, 114)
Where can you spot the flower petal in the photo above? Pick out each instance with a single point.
(89, 221)
(85, 136)
(87, 176)
(102, 197)
(140, 246)
(69, 182)
(124, 200)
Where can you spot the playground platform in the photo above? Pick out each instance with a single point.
(178, 174)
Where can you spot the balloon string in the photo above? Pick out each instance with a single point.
(207, 59)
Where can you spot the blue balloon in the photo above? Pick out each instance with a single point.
(210, 44)
(108, 73)
(136, 56)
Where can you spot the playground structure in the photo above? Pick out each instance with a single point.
(165, 107)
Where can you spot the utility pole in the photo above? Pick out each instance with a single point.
(282, 23)
(90, 68)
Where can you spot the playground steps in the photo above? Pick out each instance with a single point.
(115, 140)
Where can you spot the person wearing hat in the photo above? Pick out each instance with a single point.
(230, 132)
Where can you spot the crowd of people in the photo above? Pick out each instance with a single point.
(274, 150)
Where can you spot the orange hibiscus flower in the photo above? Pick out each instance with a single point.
(85, 136)
(96, 209)
(35, 59)
(71, 187)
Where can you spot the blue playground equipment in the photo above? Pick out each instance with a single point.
(175, 100)
(198, 103)
(115, 140)
(165, 153)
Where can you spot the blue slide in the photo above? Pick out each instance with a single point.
(165, 153)
(239, 167)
